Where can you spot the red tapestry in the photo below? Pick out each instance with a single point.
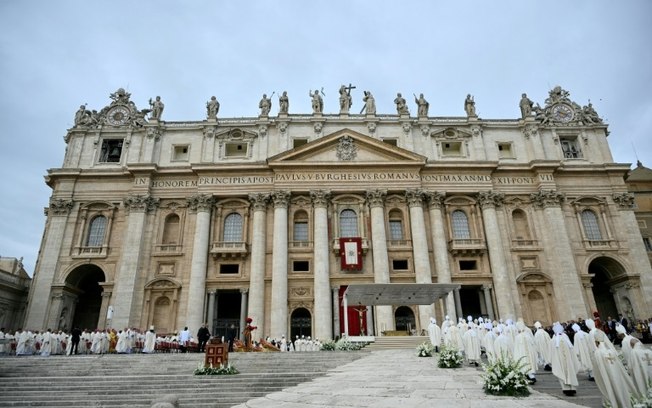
(351, 253)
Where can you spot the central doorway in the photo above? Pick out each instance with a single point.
(300, 323)
(404, 318)
(227, 303)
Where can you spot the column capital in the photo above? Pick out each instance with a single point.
(244, 291)
(414, 197)
(486, 287)
(280, 198)
(376, 198)
(140, 203)
(200, 202)
(490, 199)
(547, 198)
(320, 198)
(435, 198)
(59, 206)
(624, 200)
(259, 201)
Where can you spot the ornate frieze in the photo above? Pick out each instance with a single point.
(262, 130)
(201, 202)
(282, 127)
(435, 198)
(281, 198)
(140, 203)
(59, 206)
(425, 130)
(547, 198)
(320, 198)
(259, 200)
(371, 127)
(376, 198)
(414, 197)
(407, 127)
(624, 200)
(490, 199)
(153, 132)
(346, 149)
(530, 131)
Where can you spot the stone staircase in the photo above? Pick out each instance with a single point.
(135, 380)
(396, 342)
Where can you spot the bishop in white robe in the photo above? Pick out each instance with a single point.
(611, 377)
(564, 361)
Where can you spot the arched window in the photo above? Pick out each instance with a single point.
(591, 227)
(300, 232)
(460, 225)
(395, 225)
(348, 224)
(233, 228)
(521, 228)
(96, 232)
(171, 229)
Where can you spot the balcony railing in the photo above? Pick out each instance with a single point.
(525, 243)
(91, 251)
(600, 244)
(399, 243)
(230, 249)
(300, 244)
(336, 246)
(168, 249)
(467, 246)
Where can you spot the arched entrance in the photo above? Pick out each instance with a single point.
(607, 273)
(404, 318)
(300, 323)
(83, 283)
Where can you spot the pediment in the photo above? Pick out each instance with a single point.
(347, 147)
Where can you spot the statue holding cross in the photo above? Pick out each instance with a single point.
(345, 98)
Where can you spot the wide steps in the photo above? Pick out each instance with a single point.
(397, 342)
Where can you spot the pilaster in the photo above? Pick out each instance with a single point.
(279, 312)
(256, 307)
(376, 202)
(322, 294)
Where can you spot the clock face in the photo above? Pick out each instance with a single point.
(562, 113)
(118, 116)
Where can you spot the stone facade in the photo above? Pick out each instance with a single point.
(14, 289)
(175, 223)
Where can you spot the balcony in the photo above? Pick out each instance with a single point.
(300, 245)
(168, 249)
(525, 244)
(600, 244)
(91, 252)
(467, 246)
(230, 249)
(399, 243)
(336, 246)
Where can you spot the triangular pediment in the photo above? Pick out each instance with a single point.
(346, 148)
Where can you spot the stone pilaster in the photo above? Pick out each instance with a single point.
(279, 312)
(211, 310)
(336, 311)
(244, 301)
(257, 273)
(202, 204)
(57, 214)
(376, 202)
(488, 302)
(323, 308)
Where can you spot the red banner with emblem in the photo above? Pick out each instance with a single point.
(351, 253)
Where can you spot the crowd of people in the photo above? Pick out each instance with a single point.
(566, 349)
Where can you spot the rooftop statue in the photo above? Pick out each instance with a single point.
(369, 103)
(317, 102)
(157, 108)
(345, 99)
(526, 106)
(265, 105)
(422, 106)
(469, 106)
(283, 103)
(212, 108)
(401, 105)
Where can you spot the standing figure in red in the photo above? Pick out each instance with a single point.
(247, 334)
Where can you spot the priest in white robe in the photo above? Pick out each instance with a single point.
(594, 332)
(610, 375)
(434, 332)
(471, 344)
(640, 367)
(542, 344)
(149, 345)
(46, 343)
(489, 339)
(626, 342)
(564, 361)
(525, 351)
(503, 345)
(585, 348)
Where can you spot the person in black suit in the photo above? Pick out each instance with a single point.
(75, 336)
(202, 336)
(623, 321)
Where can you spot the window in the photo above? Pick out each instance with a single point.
(521, 228)
(505, 151)
(570, 148)
(460, 225)
(236, 149)
(451, 148)
(400, 264)
(392, 142)
(648, 244)
(466, 265)
(348, 224)
(232, 228)
(111, 151)
(395, 225)
(300, 226)
(171, 230)
(299, 142)
(229, 269)
(96, 232)
(301, 266)
(180, 153)
(591, 227)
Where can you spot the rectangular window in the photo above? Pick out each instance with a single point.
(236, 149)
(301, 231)
(229, 269)
(299, 142)
(301, 266)
(400, 264)
(642, 224)
(648, 244)
(505, 151)
(570, 148)
(111, 151)
(180, 153)
(451, 148)
(392, 142)
(395, 229)
(468, 265)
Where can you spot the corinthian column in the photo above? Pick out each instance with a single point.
(440, 247)
(39, 295)
(322, 290)
(420, 249)
(279, 320)
(257, 274)
(376, 201)
(502, 283)
(559, 253)
(202, 204)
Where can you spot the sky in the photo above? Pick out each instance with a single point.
(57, 55)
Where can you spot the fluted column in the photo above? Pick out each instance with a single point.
(458, 303)
(487, 300)
(421, 256)
(376, 201)
(568, 290)
(336, 311)
(279, 312)
(488, 201)
(211, 310)
(440, 247)
(322, 287)
(257, 274)
(243, 310)
(39, 296)
(202, 204)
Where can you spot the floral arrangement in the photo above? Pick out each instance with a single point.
(504, 377)
(210, 370)
(328, 346)
(425, 349)
(646, 401)
(341, 345)
(449, 357)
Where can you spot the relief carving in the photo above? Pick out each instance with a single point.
(320, 198)
(59, 206)
(259, 201)
(346, 149)
(490, 199)
(624, 200)
(200, 202)
(376, 198)
(547, 198)
(140, 203)
(414, 197)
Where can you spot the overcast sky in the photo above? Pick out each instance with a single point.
(57, 55)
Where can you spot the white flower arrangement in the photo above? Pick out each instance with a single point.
(504, 377)
(450, 357)
(345, 345)
(646, 401)
(210, 370)
(425, 349)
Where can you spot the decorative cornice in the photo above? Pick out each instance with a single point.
(547, 198)
(59, 206)
(201, 202)
(435, 198)
(414, 197)
(320, 198)
(490, 199)
(624, 200)
(140, 203)
(259, 201)
(376, 198)
(280, 198)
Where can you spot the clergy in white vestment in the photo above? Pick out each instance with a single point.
(444, 328)
(471, 344)
(489, 339)
(23, 347)
(434, 332)
(585, 348)
(46, 343)
(503, 345)
(149, 345)
(640, 367)
(3, 337)
(455, 338)
(542, 344)
(610, 375)
(284, 344)
(626, 342)
(121, 345)
(525, 352)
(564, 361)
(594, 332)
